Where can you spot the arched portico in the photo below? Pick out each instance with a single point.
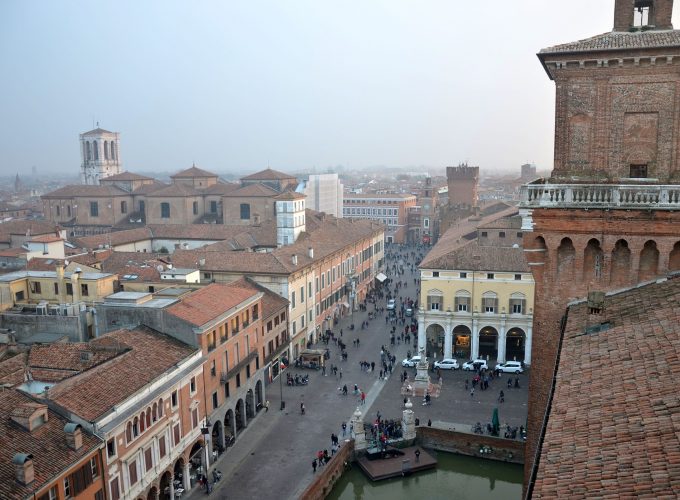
(488, 342)
(166, 484)
(515, 345)
(229, 426)
(435, 336)
(258, 395)
(250, 404)
(240, 415)
(462, 342)
(217, 438)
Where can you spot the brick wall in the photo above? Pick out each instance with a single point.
(328, 475)
(504, 450)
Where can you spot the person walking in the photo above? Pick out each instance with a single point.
(314, 465)
(501, 397)
(472, 392)
(363, 398)
(266, 406)
(344, 429)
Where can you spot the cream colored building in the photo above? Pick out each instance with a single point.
(476, 301)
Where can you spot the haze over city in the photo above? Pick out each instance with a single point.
(237, 86)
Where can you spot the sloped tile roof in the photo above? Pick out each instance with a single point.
(147, 355)
(97, 131)
(81, 191)
(47, 444)
(475, 257)
(619, 40)
(23, 227)
(178, 190)
(194, 171)
(67, 356)
(210, 302)
(272, 303)
(613, 429)
(115, 238)
(12, 368)
(150, 187)
(221, 188)
(126, 176)
(252, 190)
(267, 174)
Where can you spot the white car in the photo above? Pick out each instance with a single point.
(475, 364)
(411, 362)
(447, 364)
(510, 367)
(391, 304)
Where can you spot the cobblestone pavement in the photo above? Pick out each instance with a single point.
(272, 457)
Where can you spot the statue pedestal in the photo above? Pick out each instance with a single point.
(359, 434)
(408, 424)
(421, 384)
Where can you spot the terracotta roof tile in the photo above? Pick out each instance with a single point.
(613, 427)
(47, 444)
(80, 190)
(180, 190)
(475, 257)
(146, 355)
(126, 176)
(115, 238)
(267, 174)
(252, 190)
(194, 171)
(617, 40)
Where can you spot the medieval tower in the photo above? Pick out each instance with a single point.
(100, 155)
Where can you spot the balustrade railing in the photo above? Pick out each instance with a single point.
(600, 196)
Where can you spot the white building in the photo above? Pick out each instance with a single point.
(324, 193)
(290, 217)
(100, 153)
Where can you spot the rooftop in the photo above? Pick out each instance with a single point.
(194, 171)
(18, 275)
(613, 426)
(267, 174)
(127, 176)
(475, 257)
(97, 131)
(617, 41)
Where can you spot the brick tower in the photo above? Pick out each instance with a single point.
(609, 217)
(463, 182)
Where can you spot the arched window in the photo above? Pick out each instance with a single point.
(148, 417)
(112, 147)
(517, 303)
(88, 151)
(128, 432)
(106, 150)
(95, 149)
(490, 302)
(142, 426)
(154, 412)
(435, 298)
(160, 408)
(135, 428)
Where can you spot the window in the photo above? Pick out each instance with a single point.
(292, 300)
(132, 472)
(84, 290)
(213, 368)
(638, 171)
(67, 487)
(111, 448)
(99, 495)
(302, 321)
(161, 447)
(148, 459)
(501, 234)
(35, 287)
(238, 378)
(94, 467)
(58, 211)
(435, 274)
(256, 312)
(123, 207)
(463, 275)
(56, 289)
(94, 209)
(245, 211)
(484, 234)
(195, 207)
(302, 294)
(518, 277)
(176, 434)
(490, 302)
(489, 276)
(226, 390)
(192, 385)
(165, 210)
(194, 418)
(434, 300)
(215, 401)
(52, 494)
(462, 301)
(173, 399)
(115, 489)
(517, 303)
(69, 289)
(160, 407)
(269, 326)
(309, 290)
(426, 223)
(213, 207)
(519, 235)
(316, 284)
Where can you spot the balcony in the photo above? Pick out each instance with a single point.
(622, 196)
(239, 366)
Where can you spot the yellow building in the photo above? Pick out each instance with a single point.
(476, 301)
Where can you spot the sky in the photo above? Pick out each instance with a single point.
(292, 84)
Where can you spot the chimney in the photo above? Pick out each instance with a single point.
(294, 259)
(310, 252)
(74, 435)
(23, 464)
(75, 285)
(61, 284)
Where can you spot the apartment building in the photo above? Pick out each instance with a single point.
(391, 210)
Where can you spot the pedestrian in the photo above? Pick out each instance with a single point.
(466, 384)
(323, 370)
(472, 392)
(417, 454)
(381, 372)
(344, 429)
(363, 398)
(429, 422)
(516, 382)
(314, 465)
(340, 373)
(501, 397)
(266, 406)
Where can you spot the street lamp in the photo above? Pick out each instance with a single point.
(283, 403)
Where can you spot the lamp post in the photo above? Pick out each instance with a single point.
(283, 403)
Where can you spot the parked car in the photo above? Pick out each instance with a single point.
(447, 364)
(475, 364)
(510, 367)
(411, 362)
(409, 311)
(391, 304)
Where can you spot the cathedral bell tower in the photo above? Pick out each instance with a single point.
(100, 155)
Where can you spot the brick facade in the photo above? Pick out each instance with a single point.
(463, 182)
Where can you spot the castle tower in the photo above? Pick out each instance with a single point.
(100, 155)
(463, 182)
(290, 217)
(609, 217)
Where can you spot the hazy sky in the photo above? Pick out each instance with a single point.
(235, 86)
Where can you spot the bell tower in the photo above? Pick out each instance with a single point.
(100, 155)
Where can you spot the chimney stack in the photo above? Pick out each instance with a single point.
(23, 463)
(74, 436)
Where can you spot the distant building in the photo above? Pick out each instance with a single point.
(528, 172)
(423, 219)
(100, 153)
(391, 210)
(463, 182)
(324, 193)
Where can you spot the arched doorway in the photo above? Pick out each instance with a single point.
(488, 342)
(153, 494)
(196, 461)
(250, 404)
(620, 265)
(240, 415)
(166, 478)
(229, 427)
(515, 339)
(565, 259)
(674, 258)
(434, 341)
(649, 261)
(592, 261)
(461, 342)
(217, 438)
(178, 474)
(258, 395)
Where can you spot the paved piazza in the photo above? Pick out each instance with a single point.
(272, 457)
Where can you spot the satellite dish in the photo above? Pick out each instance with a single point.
(159, 268)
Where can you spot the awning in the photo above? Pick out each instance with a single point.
(381, 277)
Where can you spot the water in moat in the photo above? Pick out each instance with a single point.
(456, 476)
